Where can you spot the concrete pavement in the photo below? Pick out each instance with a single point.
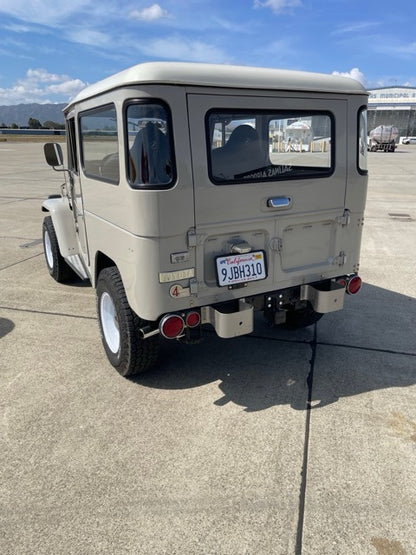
(216, 451)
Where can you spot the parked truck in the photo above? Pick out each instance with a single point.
(180, 216)
(383, 137)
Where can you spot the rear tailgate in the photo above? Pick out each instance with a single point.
(287, 205)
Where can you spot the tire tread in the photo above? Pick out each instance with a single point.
(61, 272)
(137, 355)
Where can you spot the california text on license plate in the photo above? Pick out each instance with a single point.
(241, 268)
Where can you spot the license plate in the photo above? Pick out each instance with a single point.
(241, 268)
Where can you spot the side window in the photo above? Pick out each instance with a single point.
(72, 145)
(362, 140)
(269, 146)
(99, 144)
(150, 160)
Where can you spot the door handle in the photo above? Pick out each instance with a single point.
(279, 202)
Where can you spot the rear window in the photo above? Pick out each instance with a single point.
(269, 146)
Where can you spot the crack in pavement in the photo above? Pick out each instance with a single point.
(304, 471)
(47, 313)
(21, 261)
(340, 345)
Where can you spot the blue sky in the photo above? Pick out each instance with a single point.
(49, 50)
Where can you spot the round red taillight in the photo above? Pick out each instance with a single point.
(171, 326)
(354, 285)
(192, 319)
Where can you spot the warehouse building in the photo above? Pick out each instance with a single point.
(393, 106)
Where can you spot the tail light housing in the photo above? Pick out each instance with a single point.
(354, 285)
(171, 326)
(193, 319)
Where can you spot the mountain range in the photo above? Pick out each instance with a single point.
(20, 113)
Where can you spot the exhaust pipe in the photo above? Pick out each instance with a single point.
(148, 332)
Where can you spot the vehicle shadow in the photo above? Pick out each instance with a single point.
(362, 348)
(78, 282)
(6, 326)
(397, 151)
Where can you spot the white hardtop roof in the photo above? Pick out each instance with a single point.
(215, 75)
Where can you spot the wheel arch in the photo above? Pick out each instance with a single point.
(63, 223)
(120, 326)
(57, 266)
(101, 261)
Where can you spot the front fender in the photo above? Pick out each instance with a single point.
(64, 224)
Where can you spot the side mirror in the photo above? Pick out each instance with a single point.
(53, 154)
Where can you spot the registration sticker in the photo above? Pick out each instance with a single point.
(241, 268)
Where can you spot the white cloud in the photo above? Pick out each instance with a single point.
(355, 73)
(39, 85)
(43, 12)
(354, 27)
(405, 50)
(42, 76)
(89, 37)
(149, 14)
(15, 28)
(278, 50)
(68, 88)
(177, 48)
(278, 6)
(229, 25)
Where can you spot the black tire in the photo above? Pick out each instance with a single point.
(120, 326)
(57, 267)
(301, 318)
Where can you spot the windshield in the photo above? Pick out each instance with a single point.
(260, 146)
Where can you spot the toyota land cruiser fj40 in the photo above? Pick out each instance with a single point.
(198, 194)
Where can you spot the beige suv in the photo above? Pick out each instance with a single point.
(197, 194)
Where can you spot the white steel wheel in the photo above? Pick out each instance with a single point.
(56, 264)
(109, 322)
(120, 327)
(48, 249)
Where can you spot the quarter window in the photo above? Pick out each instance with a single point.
(72, 146)
(269, 146)
(99, 144)
(150, 160)
(362, 140)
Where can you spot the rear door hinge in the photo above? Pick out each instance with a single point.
(344, 219)
(191, 238)
(193, 286)
(276, 244)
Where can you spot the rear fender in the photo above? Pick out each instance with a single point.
(63, 222)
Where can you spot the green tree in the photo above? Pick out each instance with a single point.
(34, 124)
(14, 126)
(53, 125)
